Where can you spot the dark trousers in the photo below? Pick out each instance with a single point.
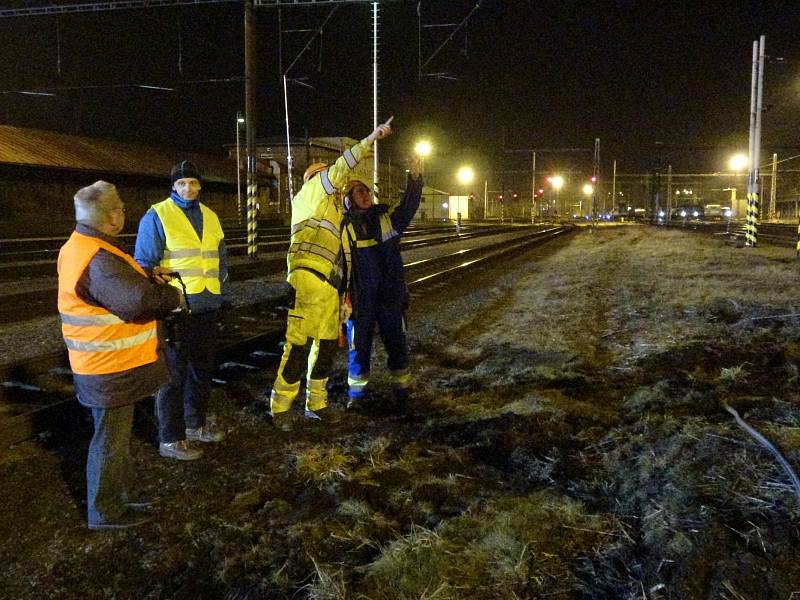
(108, 465)
(190, 358)
(360, 331)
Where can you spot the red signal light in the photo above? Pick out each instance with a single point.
(593, 179)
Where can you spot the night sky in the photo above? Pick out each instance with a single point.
(657, 82)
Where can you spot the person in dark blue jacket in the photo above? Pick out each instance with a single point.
(378, 288)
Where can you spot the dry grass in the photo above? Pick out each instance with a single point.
(645, 292)
(515, 547)
(320, 465)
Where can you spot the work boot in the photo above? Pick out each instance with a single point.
(138, 502)
(180, 450)
(208, 433)
(326, 414)
(283, 420)
(128, 519)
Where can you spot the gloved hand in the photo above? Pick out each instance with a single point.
(345, 308)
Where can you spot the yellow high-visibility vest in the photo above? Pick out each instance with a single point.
(196, 260)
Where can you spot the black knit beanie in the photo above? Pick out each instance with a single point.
(183, 170)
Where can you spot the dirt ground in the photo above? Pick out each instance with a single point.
(567, 438)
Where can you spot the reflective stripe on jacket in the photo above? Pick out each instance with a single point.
(196, 260)
(317, 218)
(98, 342)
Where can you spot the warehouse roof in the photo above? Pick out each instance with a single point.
(39, 148)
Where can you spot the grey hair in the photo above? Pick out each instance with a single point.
(92, 203)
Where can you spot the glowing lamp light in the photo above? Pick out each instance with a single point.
(556, 181)
(588, 189)
(738, 162)
(423, 148)
(465, 175)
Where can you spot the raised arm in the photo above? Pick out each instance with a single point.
(339, 172)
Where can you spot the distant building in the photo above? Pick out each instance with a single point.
(40, 171)
(272, 153)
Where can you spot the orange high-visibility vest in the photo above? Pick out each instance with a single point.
(98, 342)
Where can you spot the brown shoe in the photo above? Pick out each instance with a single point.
(180, 450)
(208, 433)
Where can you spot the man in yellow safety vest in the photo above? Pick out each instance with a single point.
(182, 235)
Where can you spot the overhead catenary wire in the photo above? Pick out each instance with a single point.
(451, 36)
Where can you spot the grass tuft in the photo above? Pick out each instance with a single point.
(323, 465)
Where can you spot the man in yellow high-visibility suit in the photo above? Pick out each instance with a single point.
(317, 274)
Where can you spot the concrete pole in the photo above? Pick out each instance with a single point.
(773, 188)
(754, 183)
(250, 126)
(485, 199)
(669, 193)
(533, 189)
(614, 187)
(238, 172)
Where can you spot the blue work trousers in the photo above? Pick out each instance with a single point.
(360, 333)
(190, 358)
(108, 465)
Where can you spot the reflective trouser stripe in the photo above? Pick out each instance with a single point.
(283, 392)
(316, 394)
(313, 320)
(357, 384)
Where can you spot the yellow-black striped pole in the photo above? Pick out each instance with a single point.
(252, 212)
(751, 227)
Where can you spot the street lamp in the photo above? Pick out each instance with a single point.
(556, 182)
(239, 123)
(738, 163)
(588, 190)
(465, 175)
(423, 148)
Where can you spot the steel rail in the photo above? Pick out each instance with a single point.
(38, 303)
(27, 424)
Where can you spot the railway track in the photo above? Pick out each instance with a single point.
(776, 234)
(37, 394)
(41, 302)
(36, 257)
